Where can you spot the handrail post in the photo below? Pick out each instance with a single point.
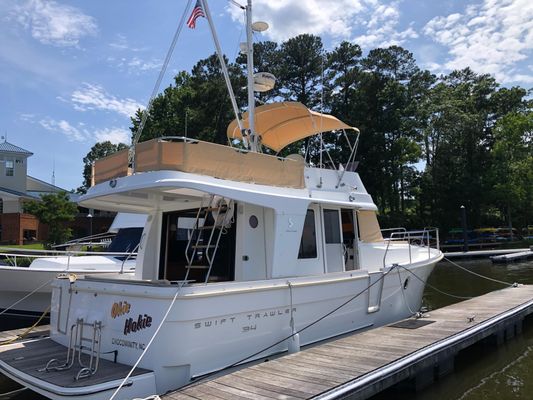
(409, 243)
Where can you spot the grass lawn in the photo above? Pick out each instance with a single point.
(34, 246)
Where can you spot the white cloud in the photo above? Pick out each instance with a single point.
(80, 132)
(492, 37)
(53, 23)
(114, 135)
(381, 27)
(94, 97)
(340, 19)
(72, 133)
(142, 65)
(134, 65)
(121, 43)
(27, 117)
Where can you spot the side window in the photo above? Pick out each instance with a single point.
(308, 242)
(10, 168)
(331, 226)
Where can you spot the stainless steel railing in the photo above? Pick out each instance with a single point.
(427, 237)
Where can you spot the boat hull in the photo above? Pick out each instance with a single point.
(215, 326)
(18, 282)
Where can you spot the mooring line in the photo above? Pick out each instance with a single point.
(292, 334)
(479, 275)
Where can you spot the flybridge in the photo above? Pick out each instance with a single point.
(203, 158)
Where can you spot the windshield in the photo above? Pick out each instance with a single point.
(126, 240)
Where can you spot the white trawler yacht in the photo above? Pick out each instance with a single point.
(243, 255)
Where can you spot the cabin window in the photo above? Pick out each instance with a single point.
(10, 168)
(308, 242)
(331, 226)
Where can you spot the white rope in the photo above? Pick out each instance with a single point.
(28, 295)
(479, 275)
(324, 316)
(433, 287)
(403, 293)
(144, 116)
(151, 340)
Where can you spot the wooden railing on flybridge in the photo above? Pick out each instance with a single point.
(203, 158)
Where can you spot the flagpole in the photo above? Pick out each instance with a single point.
(224, 68)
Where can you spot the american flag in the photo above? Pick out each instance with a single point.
(197, 12)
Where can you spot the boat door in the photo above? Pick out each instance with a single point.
(349, 235)
(334, 248)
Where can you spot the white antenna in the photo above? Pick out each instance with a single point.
(54, 172)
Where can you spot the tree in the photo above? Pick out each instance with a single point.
(196, 106)
(267, 58)
(99, 150)
(301, 67)
(511, 170)
(54, 209)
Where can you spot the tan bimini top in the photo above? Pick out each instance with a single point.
(280, 124)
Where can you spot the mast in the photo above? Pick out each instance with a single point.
(250, 69)
(223, 64)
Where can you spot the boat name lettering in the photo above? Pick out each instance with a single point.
(120, 308)
(214, 322)
(270, 313)
(128, 343)
(209, 323)
(142, 322)
(249, 328)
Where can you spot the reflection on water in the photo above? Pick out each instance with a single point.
(502, 373)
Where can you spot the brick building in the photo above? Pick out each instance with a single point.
(16, 187)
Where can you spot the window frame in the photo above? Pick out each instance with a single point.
(311, 256)
(11, 168)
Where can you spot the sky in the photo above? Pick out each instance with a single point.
(73, 72)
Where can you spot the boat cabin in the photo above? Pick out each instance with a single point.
(219, 213)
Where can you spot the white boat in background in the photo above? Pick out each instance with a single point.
(243, 255)
(17, 282)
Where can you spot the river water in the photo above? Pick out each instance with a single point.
(503, 373)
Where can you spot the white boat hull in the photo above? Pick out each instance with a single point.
(18, 282)
(214, 326)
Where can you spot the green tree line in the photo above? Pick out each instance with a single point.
(429, 143)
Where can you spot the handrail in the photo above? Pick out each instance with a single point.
(101, 236)
(423, 237)
(134, 251)
(53, 253)
(35, 254)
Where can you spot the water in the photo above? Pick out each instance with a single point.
(500, 374)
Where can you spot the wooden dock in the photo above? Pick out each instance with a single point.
(481, 253)
(14, 334)
(361, 365)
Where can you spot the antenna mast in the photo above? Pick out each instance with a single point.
(250, 69)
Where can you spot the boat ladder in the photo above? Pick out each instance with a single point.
(77, 344)
(211, 221)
